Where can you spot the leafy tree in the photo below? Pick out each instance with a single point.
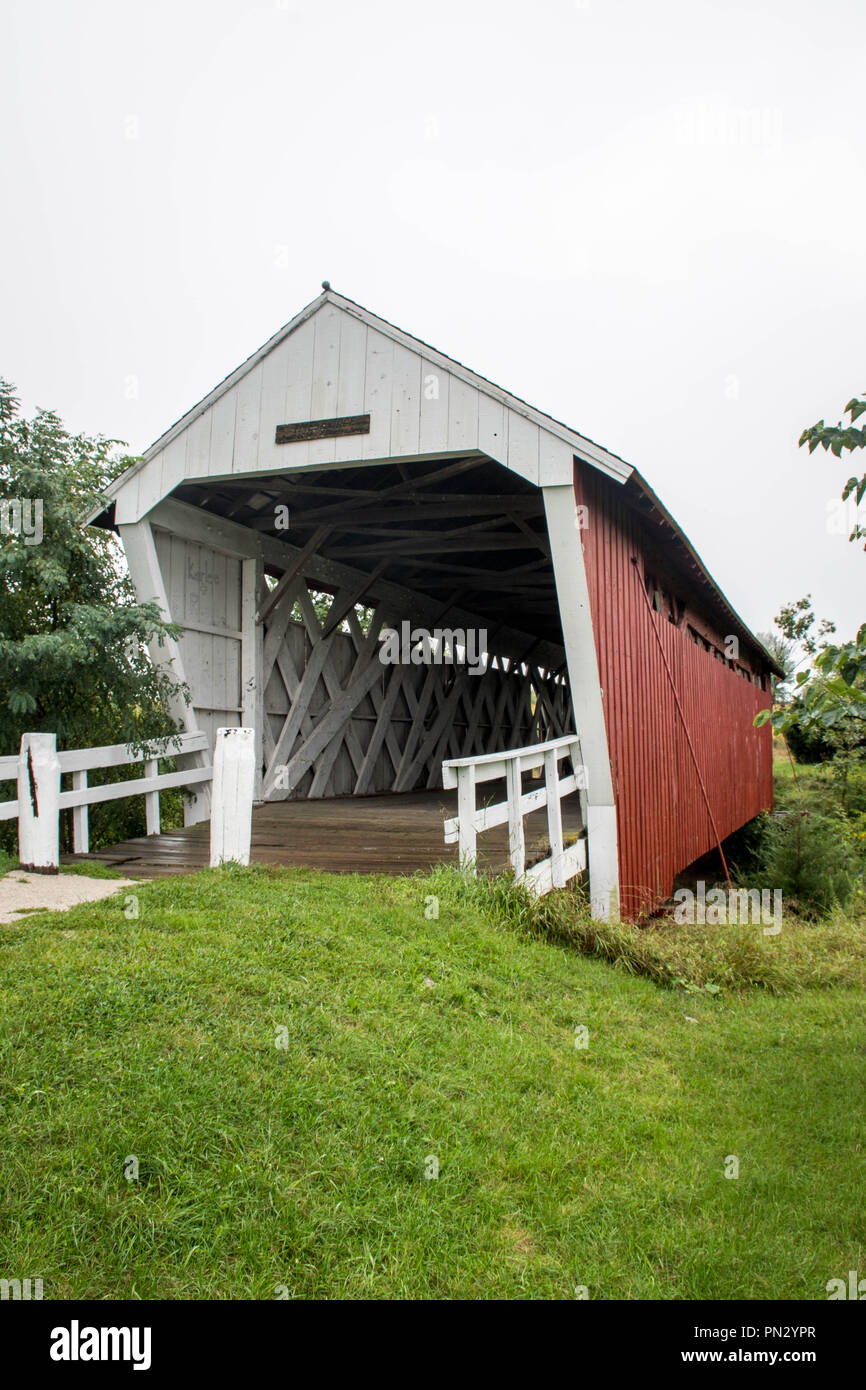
(783, 652)
(831, 701)
(827, 715)
(839, 439)
(73, 639)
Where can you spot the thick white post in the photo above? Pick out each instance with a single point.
(232, 789)
(39, 804)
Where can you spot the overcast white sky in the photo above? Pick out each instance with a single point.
(647, 219)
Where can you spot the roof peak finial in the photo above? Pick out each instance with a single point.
(326, 284)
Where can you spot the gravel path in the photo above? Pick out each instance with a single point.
(21, 893)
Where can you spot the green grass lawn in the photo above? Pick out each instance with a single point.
(406, 1039)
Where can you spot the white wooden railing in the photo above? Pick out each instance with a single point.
(463, 829)
(38, 768)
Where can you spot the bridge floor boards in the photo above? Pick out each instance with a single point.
(391, 834)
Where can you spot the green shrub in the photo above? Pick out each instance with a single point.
(746, 850)
(812, 861)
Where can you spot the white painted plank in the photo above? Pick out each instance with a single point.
(325, 380)
(405, 402)
(539, 879)
(136, 786)
(493, 429)
(433, 413)
(247, 422)
(462, 416)
(222, 440)
(353, 367)
(377, 396)
(523, 447)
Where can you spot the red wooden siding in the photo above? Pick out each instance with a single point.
(662, 819)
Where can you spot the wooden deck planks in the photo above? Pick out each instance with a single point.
(390, 834)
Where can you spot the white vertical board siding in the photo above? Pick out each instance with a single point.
(522, 455)
(325, 381)
(493, 428)
(286, 389)
(334, 364)
(198, 445)
(222, 438)
(379, 361)
(247, 420)
(462, 416)
(555, 457)
(433, 411)
(204, 591)
(405, 402)
(173, 470)
(351, 382)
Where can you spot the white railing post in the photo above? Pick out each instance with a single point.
(39, 804)
(554, 818)
(234, 778)
(465, 774)
(80, 817)
(151, 799)
(467, 849)
(516, 839)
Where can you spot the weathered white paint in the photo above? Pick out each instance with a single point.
(79, 761)
(234, 779)
(144, 567)
(39, 804)
(574, 608)
(336, 358)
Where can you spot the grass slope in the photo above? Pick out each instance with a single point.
(303, 1168)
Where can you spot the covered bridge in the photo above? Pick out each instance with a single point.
(348, 458)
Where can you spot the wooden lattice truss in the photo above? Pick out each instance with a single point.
(338, 720)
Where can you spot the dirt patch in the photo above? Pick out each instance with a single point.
(22, 893)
